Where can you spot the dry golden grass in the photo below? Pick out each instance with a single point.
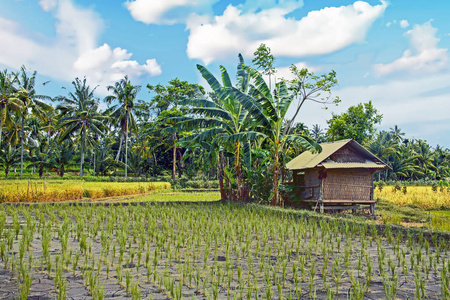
(62, 190)
(420, 196)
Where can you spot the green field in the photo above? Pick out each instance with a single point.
(211, 251)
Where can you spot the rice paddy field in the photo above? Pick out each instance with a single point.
(64, 190)
(417, 196)
(211, 251)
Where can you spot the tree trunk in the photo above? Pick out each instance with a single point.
(276, 170)
(21, 146)
(1, 132)
(82, 154)
(41, 171)
(126, 154)
(6, 170)
(126, 144)
(237, 169)
(174, 163)
(94, 163)
(120, 147)
(223, 195)
(61, 171)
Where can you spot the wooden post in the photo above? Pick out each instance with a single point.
(372, 209)
(320, 199)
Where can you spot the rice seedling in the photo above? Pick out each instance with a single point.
(220, 250)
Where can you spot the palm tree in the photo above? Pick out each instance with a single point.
(79, 116)
(125, 93)
(424, 156)
(27, 94)
(8, 103)
(318, 134)
(270, 112)
(9, 157)
(397, 133)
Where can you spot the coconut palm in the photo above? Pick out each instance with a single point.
(31, 101)
(8, 103)
(125, 93)
(79, 116)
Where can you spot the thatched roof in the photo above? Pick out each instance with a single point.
(342, 154)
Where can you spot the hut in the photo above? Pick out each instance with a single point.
(339, 177)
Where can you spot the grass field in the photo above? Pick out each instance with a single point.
(63, 190)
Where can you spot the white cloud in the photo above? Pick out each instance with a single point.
(166, 11)
(320, 32)
(48, 5)
(404, 23)
(73, 51)
(423, 55)
(388, 24)
(104, 65)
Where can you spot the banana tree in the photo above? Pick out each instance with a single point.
(223, 119)
(269, 112)
(9, 157)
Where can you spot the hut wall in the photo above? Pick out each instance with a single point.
(348, 184)
(312, 180)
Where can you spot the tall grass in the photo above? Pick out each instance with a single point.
(62, 190)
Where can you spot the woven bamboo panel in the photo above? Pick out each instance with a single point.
(311, 179)
(346, 154)
(347, 185)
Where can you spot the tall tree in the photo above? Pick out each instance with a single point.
(8, 103)
(264, 60)
(357, 123)
(79, 116)
(167, 104)
(307, 86)
(31, 101)
(125, 94)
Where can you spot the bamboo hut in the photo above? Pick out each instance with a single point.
(339, 177)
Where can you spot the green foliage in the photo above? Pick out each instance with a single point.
(357, 123)
(264, 60)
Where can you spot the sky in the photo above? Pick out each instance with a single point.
(393, 53)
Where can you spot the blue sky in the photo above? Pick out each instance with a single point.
(393, 53)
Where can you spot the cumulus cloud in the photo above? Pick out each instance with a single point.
(104, 65)
(404, 23)
(166, 11)
(73, 51)
(423, 54)
(320, 32)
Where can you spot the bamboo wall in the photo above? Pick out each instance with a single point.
(348, 184)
